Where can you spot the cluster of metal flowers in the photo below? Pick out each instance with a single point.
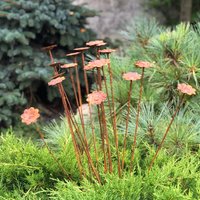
(98, 98)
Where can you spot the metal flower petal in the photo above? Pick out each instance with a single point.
(30, 115)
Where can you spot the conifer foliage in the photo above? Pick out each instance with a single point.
(27, 26)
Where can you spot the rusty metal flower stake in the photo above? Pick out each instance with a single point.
(58, 82)
(96, 64)
(185, 89)
(49, 50)
(114, 119)
(130, 76)
(83, 138)
(30, 116)
(107, 52)
(143, 65)
(98, 98)
(81, 50)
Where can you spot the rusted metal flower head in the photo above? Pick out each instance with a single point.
(56, 81)
(96, 63)
(96, 98)
(143, 64)
(81, 49)
(48, 48)
(69, 65)
(131, 76)
(58, 75)
(30, 115)
(108, 51)
(55, 64)
(89, 66)
(186, 89)
(73, 54)
(83, 30)
(101, 44)
(94, 43)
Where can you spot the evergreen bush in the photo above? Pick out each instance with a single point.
(27, 171)
(175, 57)
(27, 26)
(26, 165)
(171, 9)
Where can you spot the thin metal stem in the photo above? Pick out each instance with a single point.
(104, 78)
(51, 56)
(137, 121)
(90, 113)
(70, 108)
(127, 122)
(102, 139)
(51, 153)
(166, 132)
(81, 115)
(104, 122)
(114, 119)
(96, 80)
(79, 88)
(85, 137)
(93, 135)
(99, 78)
(97, 52)
(76, 97)
(96, 174)
(101, 126)
(67, 114)
(84, 72)
(106, 137)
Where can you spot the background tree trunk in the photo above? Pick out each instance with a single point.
(186, 9)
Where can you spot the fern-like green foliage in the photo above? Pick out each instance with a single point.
(171, 9)
(27, 26)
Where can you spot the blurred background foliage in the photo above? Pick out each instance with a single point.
(176, 11)
(26, 27)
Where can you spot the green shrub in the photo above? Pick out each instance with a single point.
(26, 165)
(174, 56)
(27, 171)
(170, 179)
